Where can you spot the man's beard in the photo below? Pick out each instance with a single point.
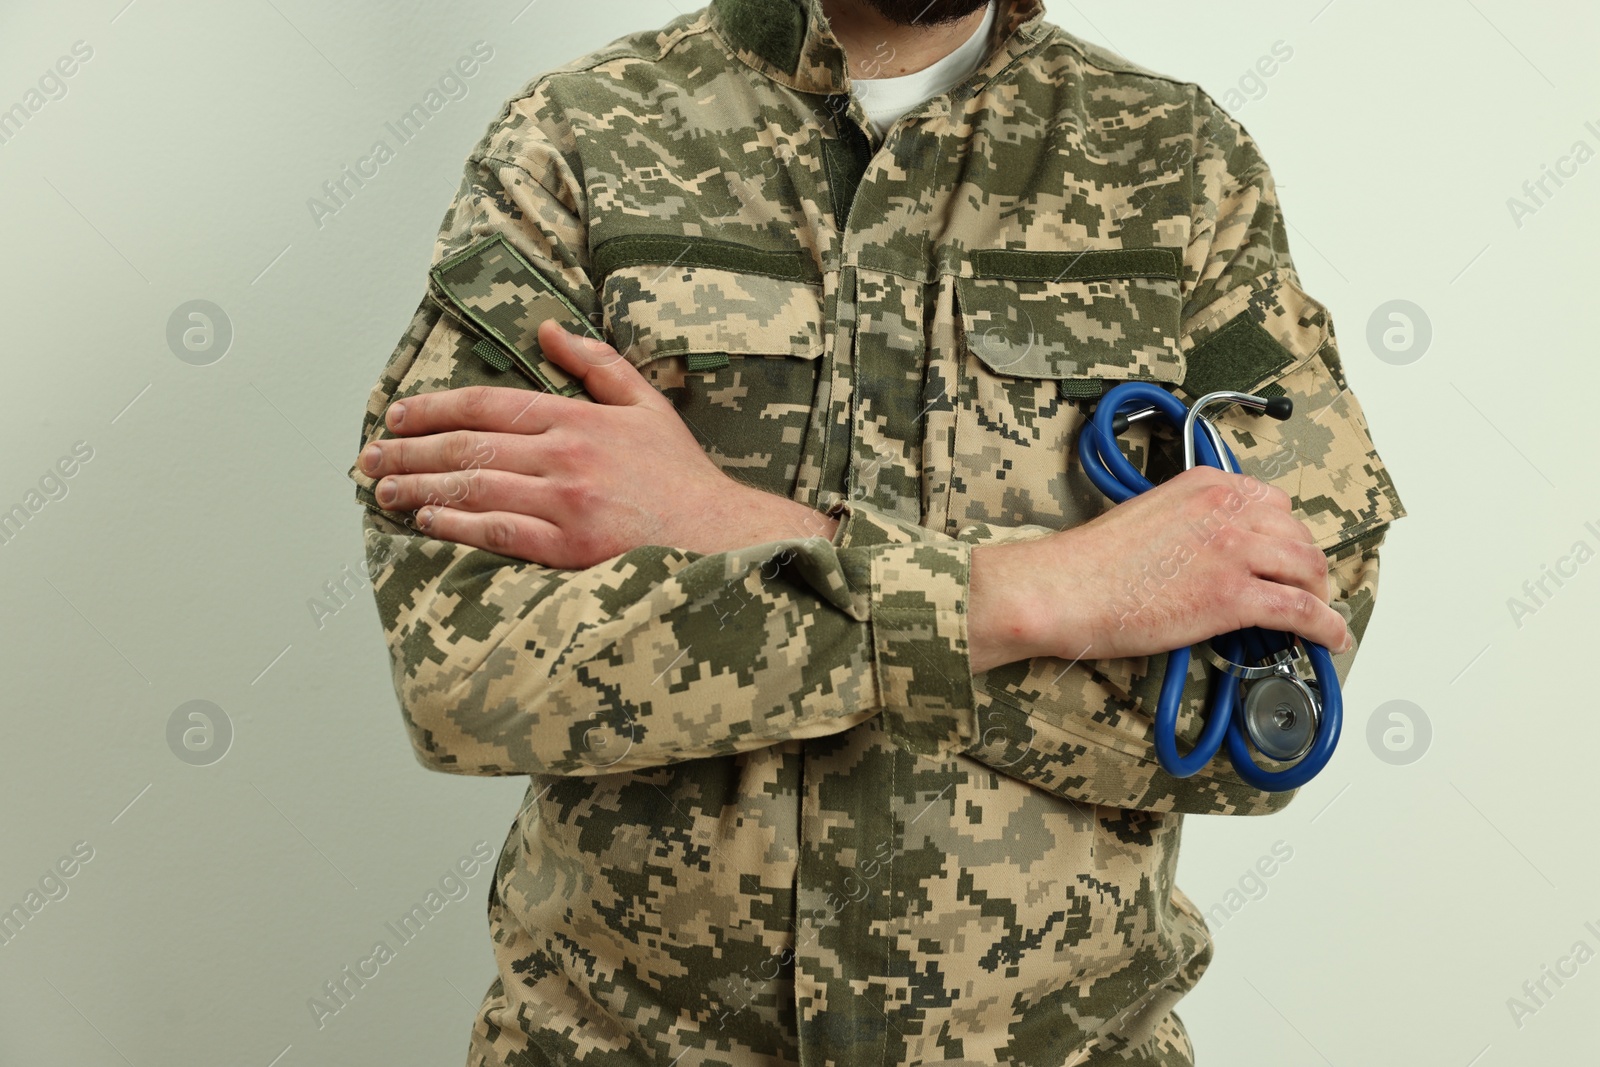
(925, 12)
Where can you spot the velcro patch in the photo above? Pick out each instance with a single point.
(676, 250)
(1081, 388)
(491, 354)
(1239, 355)
(1091, 265)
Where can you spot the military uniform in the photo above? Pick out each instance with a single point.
(773, 817)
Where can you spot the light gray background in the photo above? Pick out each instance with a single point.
(1419, 897)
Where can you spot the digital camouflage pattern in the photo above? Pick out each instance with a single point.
(773, 817)
(498, 293)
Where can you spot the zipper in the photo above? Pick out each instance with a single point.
(846, 156)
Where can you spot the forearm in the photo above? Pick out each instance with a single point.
(753, 517)
(1080, 732)
(1060, 708)
(661, 654)
(1002, 626)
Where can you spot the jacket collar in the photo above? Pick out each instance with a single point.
(790, 42)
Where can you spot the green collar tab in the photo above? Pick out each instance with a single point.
(775, 30)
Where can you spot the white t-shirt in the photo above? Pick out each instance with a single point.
(887, 99)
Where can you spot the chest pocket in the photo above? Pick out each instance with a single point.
(731, 335)
(1043, 334)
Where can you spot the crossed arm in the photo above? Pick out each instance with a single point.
(570, 484)
(580, 590)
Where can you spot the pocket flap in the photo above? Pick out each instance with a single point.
(1095, 314)
(503, 298)
(652, 312)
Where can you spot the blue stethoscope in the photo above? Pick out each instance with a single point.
(1260, 700)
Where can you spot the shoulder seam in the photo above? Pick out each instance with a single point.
(609, 55)
(1061, 36)
(521, 168)
(597, 59)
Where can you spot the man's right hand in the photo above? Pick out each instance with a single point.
(1202, 554)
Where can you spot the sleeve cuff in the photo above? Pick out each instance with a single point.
(919, 587)
(862, 526)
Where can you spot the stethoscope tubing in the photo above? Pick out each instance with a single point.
(1110, 472)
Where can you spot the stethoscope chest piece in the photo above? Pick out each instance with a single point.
(1281, 715)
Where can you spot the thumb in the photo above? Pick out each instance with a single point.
(605, 374)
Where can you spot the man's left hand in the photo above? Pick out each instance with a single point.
(564, 482)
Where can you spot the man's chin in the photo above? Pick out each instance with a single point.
(925, 12)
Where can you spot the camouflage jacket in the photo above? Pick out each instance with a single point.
(773, 817)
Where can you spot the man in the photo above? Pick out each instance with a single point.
(831, 672)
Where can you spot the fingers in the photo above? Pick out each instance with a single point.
(1212, 499)
(1220, 500)
(1274, 606)
(1281, 525)
(459, 450)
(605, 374)
(1269, 496)
(1290, 563)
(491, 408)
(1253, 523)
(477, 490)
(517, 536)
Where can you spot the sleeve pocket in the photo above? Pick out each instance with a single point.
(496, 293)
(1274, 339)
(477, 326)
